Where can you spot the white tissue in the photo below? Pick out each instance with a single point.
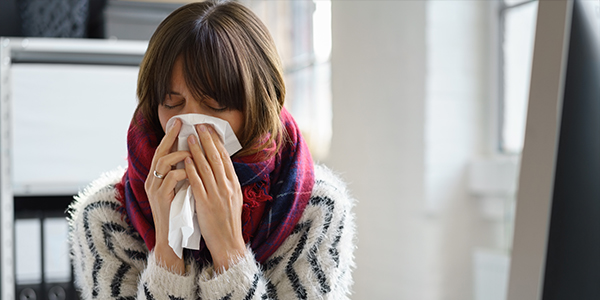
(184, 231)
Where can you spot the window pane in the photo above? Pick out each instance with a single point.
(518, 50)
(302, 33)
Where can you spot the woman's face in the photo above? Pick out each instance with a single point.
(179, 101)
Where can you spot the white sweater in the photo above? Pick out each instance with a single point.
(111, 260)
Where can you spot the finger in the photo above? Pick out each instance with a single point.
(228, 168)
(202, 167)
(213, 156)
(171, 180)
(198, 188)
(164, 165)
(166, 144)
(226, 159)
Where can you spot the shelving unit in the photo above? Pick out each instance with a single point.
(39, 200)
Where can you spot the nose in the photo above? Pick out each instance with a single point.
(192, 107)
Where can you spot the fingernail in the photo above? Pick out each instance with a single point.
(172, 124)
(188, 160)
(202, 127)
(192, 139)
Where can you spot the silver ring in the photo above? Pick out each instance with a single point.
(158, 175)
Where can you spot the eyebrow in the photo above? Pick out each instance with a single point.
(173, 93)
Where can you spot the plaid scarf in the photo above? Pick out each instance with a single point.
(275, 190)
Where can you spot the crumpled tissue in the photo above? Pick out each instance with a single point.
(184, 231)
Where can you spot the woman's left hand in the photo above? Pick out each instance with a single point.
(218, 197)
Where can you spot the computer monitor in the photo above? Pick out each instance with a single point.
(556, 248)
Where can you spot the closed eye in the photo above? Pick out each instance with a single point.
(171, 100)
(167, 106)
(210, 104)
(217, 109)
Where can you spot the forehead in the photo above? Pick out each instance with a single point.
(177, 76)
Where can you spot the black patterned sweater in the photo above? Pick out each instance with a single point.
(111, 260)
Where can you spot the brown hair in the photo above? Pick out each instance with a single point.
(229, 56)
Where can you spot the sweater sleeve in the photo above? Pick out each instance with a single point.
(314, 262)
(110, 259)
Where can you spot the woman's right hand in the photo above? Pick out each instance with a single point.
(161, 191)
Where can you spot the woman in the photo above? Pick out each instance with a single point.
(274, 225)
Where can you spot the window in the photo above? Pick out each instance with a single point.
(302, 33)
(517, 19)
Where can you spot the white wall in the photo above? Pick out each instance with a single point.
(460, 63)
(378, 89)
(412, 97)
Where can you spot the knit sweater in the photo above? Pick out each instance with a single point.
(111, 261)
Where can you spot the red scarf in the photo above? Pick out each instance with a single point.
(275, 191)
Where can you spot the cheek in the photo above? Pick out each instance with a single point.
(163, 117)
(237, 122)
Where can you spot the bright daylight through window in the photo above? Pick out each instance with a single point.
(302, 33)
(518, 17)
